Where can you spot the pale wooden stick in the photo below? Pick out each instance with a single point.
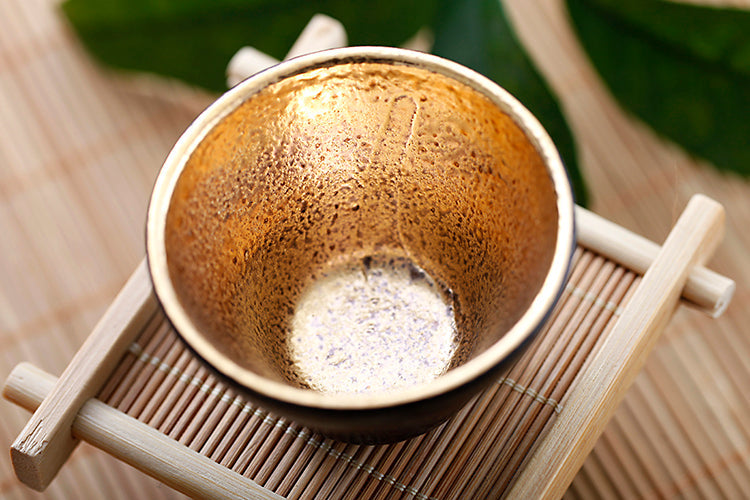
(136, 443)
(604, 381)
(246, 62)
(45, 443)
(707, 290)
(322, 32)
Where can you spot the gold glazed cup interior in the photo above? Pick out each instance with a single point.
(354, 161)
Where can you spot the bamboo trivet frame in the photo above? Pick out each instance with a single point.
(66, 411)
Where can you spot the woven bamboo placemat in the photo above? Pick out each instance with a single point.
(474, 455)
(79, 149)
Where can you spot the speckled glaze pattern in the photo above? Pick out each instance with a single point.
(375, 325)
(350, 162)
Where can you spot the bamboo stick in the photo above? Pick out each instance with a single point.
(313, 466)
(602, 385)
(266, 425)
(193, 414)
(339, 471)
(236, 457)
(708, 291)
(214, 423)
(46, 442)
(190, 397)
(322, 32)
(136, 443)
(142, 370)
(292, 448)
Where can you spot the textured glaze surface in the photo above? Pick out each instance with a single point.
(353, 162)
(374, 325)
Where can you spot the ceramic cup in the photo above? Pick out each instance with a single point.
(361, 239)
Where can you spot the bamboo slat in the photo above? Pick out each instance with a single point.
(474, 454)
(46, 443)
(136, 444)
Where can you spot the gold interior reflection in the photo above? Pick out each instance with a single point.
(348, 163)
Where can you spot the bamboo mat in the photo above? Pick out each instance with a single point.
(474, 455)
(80, 148)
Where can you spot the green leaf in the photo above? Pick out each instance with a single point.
(683, 69)
(193, 40)
(478, 34)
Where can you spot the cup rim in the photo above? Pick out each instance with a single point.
(530, 322)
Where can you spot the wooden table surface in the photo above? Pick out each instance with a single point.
(80, 148)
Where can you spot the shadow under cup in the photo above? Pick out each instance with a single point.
(356, 240)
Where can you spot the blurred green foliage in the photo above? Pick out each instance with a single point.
(194, 39)
(478, 34)
(683, 69)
